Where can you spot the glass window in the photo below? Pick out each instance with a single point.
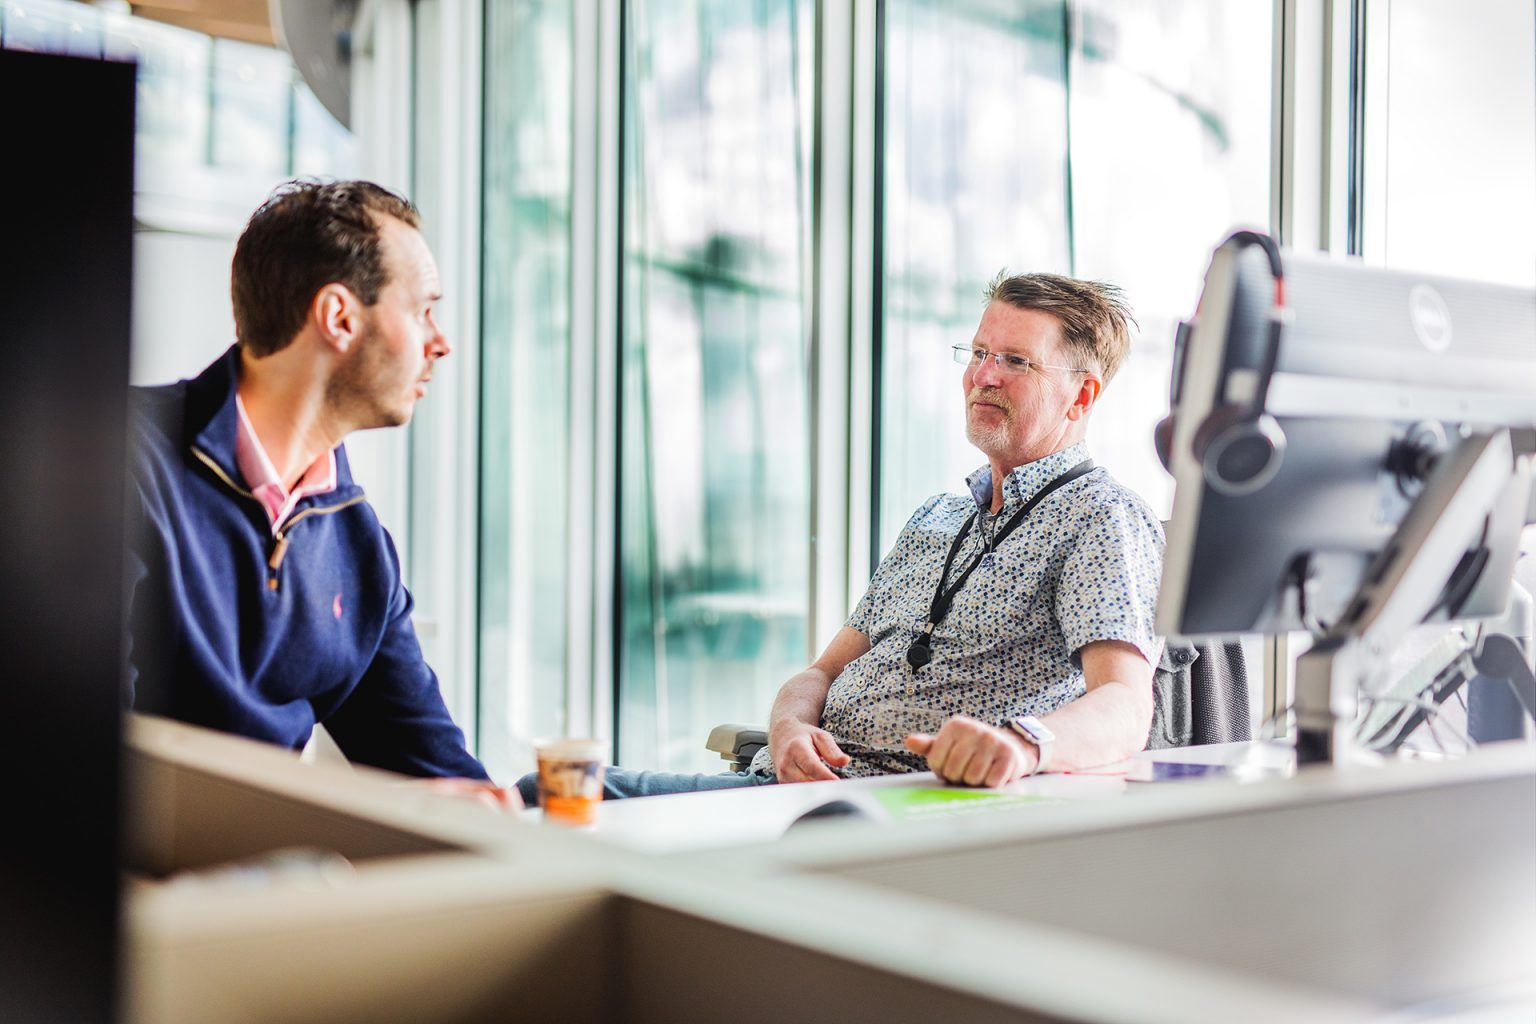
(172, 97)
(1451, 153)
(975, 181)
(1171, 134)
(714, 465)
(525, 378)
(319, 140)
(252, 87)
(50, 26)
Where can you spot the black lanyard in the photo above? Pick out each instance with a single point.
(921, 653)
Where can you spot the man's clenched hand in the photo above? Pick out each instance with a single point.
(973, 753)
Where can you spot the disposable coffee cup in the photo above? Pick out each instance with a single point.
(571, 779)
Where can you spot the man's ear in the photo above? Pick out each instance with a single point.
(337, 316)
(1087, 394)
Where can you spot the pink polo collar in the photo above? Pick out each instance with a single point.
(261, 476)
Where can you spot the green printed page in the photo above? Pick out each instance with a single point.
(907, 803)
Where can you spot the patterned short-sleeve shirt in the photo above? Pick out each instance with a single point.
(1083, 566)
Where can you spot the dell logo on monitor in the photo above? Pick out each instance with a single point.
(1431, 317)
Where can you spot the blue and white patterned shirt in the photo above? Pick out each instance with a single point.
(1083, 566)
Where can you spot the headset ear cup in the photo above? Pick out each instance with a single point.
(1216, 421)
(1239, 452)
(1162, 441)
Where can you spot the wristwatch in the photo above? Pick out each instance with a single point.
(1036, 733)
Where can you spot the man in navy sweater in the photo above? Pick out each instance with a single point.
(265, 595)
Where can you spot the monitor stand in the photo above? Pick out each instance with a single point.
(1478, 486)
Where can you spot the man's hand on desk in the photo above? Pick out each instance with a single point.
(973, 753)
(501, 798)
(801, 753)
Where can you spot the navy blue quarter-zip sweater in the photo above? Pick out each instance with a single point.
(236, 629)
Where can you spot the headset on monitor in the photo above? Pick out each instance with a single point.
(1240, 446)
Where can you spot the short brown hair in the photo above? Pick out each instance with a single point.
(308, 234)
(1095, 319)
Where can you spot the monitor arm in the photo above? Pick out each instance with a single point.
(1406, 584)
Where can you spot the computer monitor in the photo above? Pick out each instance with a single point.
(1287, 493)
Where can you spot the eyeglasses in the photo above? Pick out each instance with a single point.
(1014, 366)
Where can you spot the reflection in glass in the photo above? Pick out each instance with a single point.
(526, 345)
(975, 181)
(714, 507)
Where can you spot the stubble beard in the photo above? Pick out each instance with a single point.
(354, 390)
(990, 438)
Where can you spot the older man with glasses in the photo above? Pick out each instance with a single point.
(1010, 629)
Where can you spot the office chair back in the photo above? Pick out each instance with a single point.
(1200, 695)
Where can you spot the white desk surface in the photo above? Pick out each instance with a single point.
(752, 815)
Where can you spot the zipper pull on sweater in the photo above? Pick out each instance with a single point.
(275, 562)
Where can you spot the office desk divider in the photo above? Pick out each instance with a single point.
(1333, 896)
(200, 798)
(452, 912)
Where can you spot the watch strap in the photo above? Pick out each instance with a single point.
(1042, 744)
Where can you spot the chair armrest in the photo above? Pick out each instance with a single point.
(737, 744)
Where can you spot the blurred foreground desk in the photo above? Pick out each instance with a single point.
(1405, 892)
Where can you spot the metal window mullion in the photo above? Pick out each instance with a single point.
(457, 441)
(1338, 97)
(1277, 662)
(863, 268)
(1071, 34)
(584, 625)
(580, 632)
(1282, 85)
(830, 351)
(1312, 151)
(1309, 188)
(596, 258)
(1373, 78)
